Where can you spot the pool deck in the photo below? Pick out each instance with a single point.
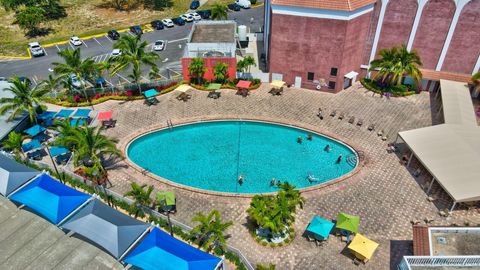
(383, 193)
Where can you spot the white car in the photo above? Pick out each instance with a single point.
(36, 49)
(187, 17)
(116, 52)
(159, 45)
(75, 41)
(167, 22)
(195, 16)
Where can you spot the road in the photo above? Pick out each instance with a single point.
(100, 48)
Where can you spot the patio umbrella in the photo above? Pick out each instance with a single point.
(167, 196)
(35, 130)
(32, 145)
(183, 88)
(214, 86)
(362, 247)
(82, 113)
(320, 227)
(150, 93)
(46, 115)
(244, 84)
(63, 113)
(58, 150)
(348, 222)
(277, 84)
(103, 116)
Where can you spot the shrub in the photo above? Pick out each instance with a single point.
(395, 90)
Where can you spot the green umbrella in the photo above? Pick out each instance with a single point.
(168, 197)
(214, 86)
(348, 222)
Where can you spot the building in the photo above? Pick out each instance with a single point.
(16, 124)
(331, 42)
(215, 42)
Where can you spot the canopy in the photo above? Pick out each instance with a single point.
(103, 116)
(214, 86)
(362, 247)
(58, 150)
(351, 75)
(82, 113)
(244, 84)
(49, 198)
(110, 229)
(167, 196)
(35, 130)
(457, 103)
(150, 93)
(33, 144)
(277, 83)
(348, 222)
(46, 115)
(183, 88)
(13, 175)
(63, 113)
(158, 250)
(77, 122)
(320, 227)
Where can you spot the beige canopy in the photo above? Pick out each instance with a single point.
(183, 88)
(457, 103)
(277, 83)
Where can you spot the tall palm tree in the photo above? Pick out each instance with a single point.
(25, 98)
(293, 196)
(220, 71)
(211, 230)
(134, 55)
(267, 213)
(83, 69)
(395, 63)
(249, 62)
(196, 69)
(140, 196)
(14, 143)
(51, 84)
(219, 12)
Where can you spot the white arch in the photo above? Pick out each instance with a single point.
(378, 30)
(416, 22)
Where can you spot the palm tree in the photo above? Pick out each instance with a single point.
(133, 55)
(84, 70)
(140, 196)
(196, 69)
(51, 84)
(25, 98)
(210, 230)
(14, 143)
(396, 62)
(249, 62)
(220, 71)
(219, 12)
(294, 196)
(267, 213)
(476, 82)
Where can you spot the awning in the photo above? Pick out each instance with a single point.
(320, 227)
(110, 229)
(77, 122)
(49, 198)
(244, 84)
(32, 145)
(168, 197)
(35, 130)
(103, 116)
(13, 175)
(63, 113)
(351, 75)
(82, 113)
(150, 93)
(183, 88)
(457, 103)
(58, 150)
(46, 115)
(348, 222)
(277, 83)
(214, 86)
(158, 250)
(362, 247)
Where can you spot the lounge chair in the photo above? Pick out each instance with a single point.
(320, 113)
(333, 113)
(184, 97)
(63, 159)
(109, 123)
(371, 127)
(384, 137)
(360, 122)
(380, 133)
(151, 101)
(351, 120)
(36, 155)
(214, 94)
(243, 92)
(276, 91)
(341, 116)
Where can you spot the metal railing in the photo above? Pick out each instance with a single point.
(434, 261)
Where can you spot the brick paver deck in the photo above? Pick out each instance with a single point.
(384, 193)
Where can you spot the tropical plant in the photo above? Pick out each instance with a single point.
(196, 69)
(210, 231)
(476, 82)
(25, 99)
(134, 55)
(248, 62)
(140, 195)
(294, 196)
(51, 84)
(220, 71)
(219, 12)
(395, 63)
(14, 143)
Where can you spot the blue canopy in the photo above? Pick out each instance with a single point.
(58, 150)
(150, 93)
(320, 227)
(33, 144)
(159, 250)
(46, 115)
(63, 113)
(49, 198)
(35, 130)
(82, 113)
(77, 122)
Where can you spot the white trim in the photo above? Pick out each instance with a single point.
(321, 13)
(378, 30)
(416, 22)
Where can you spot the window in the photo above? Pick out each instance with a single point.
(333, 72)
(310, 76)
(331, 85)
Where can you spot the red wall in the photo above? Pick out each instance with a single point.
(465, 45)
(371, 32)
(209, 63)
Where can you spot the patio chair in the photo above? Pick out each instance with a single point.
(151, 101)
(351, 120)
(341, 116)
(444, 213)
(109, 123)
(380, 133)
(243, 92)
(214, 94)
(371, 127)
(320, 113)
(333, 113)
(184, 97)
(360, 122)
(356, 261)
(62, 159)
(37, 155)
(273, 91)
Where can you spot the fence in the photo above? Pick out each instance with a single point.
(438, 261)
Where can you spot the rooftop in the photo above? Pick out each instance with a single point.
(213, 32)
(6, 127)
(341, 5)
(446, 241)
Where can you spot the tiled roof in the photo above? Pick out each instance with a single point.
(421, 245)
(343, 5)
(437, 75)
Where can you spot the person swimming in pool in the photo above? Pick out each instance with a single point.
(339, 159)
(279, 183)
(299, 140)
(327, 148)
(240, 180)
(272, 182)
(309, 137)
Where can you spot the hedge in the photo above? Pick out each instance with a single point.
(395, 90)
(231, 84)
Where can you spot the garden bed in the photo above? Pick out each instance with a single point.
(395, 90)
(231, 84)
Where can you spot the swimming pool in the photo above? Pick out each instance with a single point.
(212, 155)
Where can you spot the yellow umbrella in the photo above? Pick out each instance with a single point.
(183, 88)
(362, 247)
(276, 83)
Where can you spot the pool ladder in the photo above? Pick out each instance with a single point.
(169, 123)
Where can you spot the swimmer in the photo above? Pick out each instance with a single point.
(309, 137)
(327, 148)
(272, 182)
(279, 183)
(339, 159)
(299, 140)
(240, 180)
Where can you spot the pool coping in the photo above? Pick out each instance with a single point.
(185, 121)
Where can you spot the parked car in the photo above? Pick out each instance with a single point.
(136, 29)
(36, 49)
(178, 21)
(113, 34)
(167, 22)
(205, 13)
(157, 25)
(116, 52)
(75, 81)
(187, 17)
(159, 45)
(243, 3)
(234, 7)
(195, 16)
(75, 41)
(195, 4)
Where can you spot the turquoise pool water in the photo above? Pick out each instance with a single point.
(211, 156)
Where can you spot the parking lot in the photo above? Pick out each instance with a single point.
(100, 48)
